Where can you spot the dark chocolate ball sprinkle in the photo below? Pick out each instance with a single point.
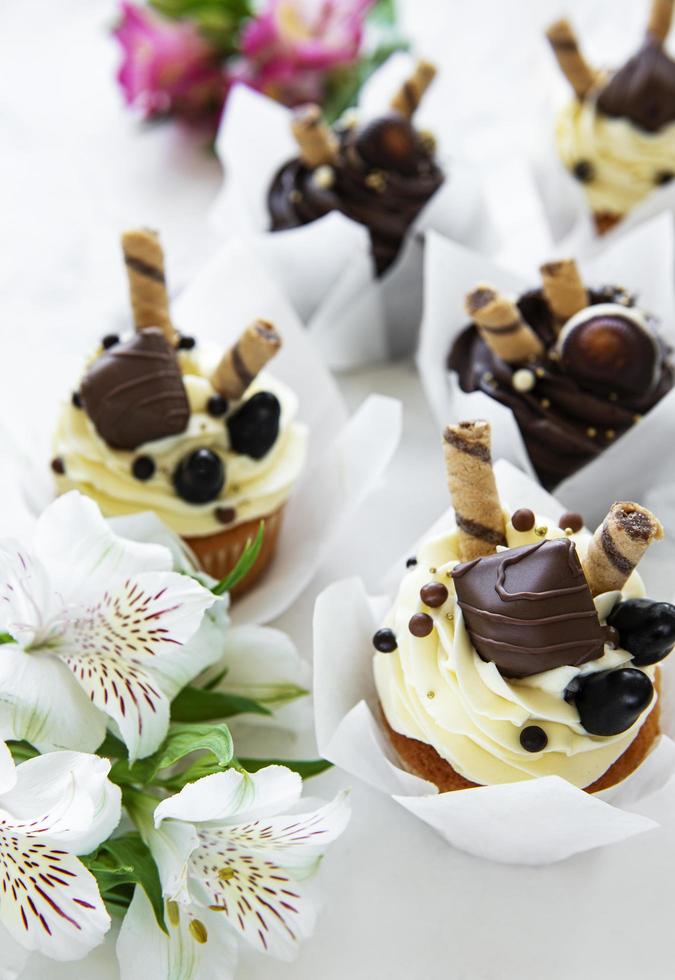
(612, 636)
(385, 641)
(186, 343)
(421, 624)
(584, 171)
(217, 405)
(143, 467)
(76, 399)
(225, 514)
(570, 519)
(411, 562)
(533, 738)
(199, 477)
(663, 177)
(523, 519)
(110, 340)
(433, 594)
(58, 466)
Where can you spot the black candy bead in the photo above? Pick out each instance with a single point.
(199, 477)
(385, 641)
(411, 562)
(186, 343)
(76, 399)
(217, 405)
(584, 171)
(254, 427)
(663, 177)
(646, 629)
(533, 738)
(610, 701)
(143, 467)
(110, 340)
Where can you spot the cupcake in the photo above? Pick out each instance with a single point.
(205, 438)
(380, 173)
(617, 136)
(578, 366)
(519, 646)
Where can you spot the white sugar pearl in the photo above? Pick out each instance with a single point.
(324, 177)
(523, 380)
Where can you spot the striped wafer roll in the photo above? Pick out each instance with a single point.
(316, 141)
(660, 19)
(240, 364)
(572, 63)
(144, 260)
(501, 325)
(564, 291)
(468, 463)
(618, 545)
(411, 92)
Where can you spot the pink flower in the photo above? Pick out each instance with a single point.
(290, 46)
(168, 67)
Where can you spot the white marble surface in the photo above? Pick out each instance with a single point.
(75, 168)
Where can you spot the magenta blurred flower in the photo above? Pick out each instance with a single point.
(289, 47)
(168, 67)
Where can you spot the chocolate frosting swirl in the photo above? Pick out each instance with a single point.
(386, 201)
(643, 90)
(564, 424)
(530, 609)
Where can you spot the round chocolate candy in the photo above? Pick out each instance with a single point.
(385, 640)
(610, 347)
(254, 427)
(421, 624)
(225, 515)
(572, 520)
(143, 467)
(58, 466)
(533, 738)
(199, 477)
(645, 628)
(610, 701)
(433, 594)
(523, 520)
(389, 143)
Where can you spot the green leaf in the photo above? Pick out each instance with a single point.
(215, 681)
(220, 21)
(196, 704)
(246, 562)
(112, 748)
(7, 638)
(22, 751)
(182, 740)
(304, 767)
(124, 861)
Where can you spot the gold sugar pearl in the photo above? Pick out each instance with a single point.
(591, 432)
(637, 418)
(545, 403)
(431, 695)
(610, 434)
(541, 531)
(432, 571)
(295, 197)
(539, 372)
(324, 177)
(376, 181)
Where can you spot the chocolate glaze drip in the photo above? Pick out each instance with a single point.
(134, 392)
(564, 424)
(643, 90)
(530, 609)
(387, 206)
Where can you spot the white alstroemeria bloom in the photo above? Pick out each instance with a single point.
(232, 850)
(53, 808)
(99, 627)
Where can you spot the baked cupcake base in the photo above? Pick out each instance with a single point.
(219, 553)
(423, 760)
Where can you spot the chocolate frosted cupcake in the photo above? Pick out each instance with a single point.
(380, 174)
(520, 646)
(577, 366)
(617, 137)
(204, 438)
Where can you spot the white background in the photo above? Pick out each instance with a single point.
(74, 169)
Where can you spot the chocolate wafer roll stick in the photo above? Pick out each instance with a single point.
(468, 463)
(410, 94)
(240, 364)
(563, 288)
(572, 63)
(660, 19)
(144, 260)
(317, 142)
(502, 327)
(618, 545)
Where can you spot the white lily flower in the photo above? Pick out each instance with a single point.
(99, 627)
(53, 808)
(232, 850)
